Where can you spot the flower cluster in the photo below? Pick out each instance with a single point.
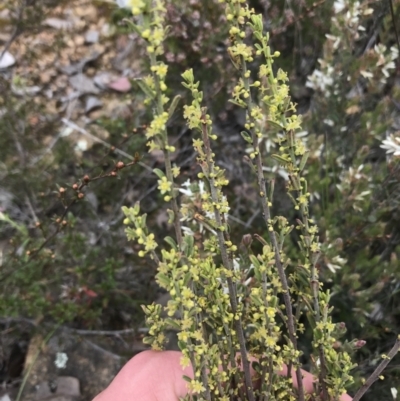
(139, 231)
(392, 145)
(231, 308)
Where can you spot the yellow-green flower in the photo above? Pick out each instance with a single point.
(164, 185)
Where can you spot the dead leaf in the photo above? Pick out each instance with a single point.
(353, 109)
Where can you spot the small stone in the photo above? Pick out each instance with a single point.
(92, 37)
(83, 84)
(92, 102)
(7, 60)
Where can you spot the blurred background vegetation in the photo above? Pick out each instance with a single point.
(71, 109)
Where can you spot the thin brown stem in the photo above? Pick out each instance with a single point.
(227, 263)
(281, 271)
(379, 369)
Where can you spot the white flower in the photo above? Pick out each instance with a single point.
(321, 80)
(337, 264)
(335, 39)
(339, 6)
(360, 196)
(61, 360)
(201, 187)
(366, 74)
(392, 145)
(393, 390)
(124, 3)
(187, 231)
(329, 122)
(188, 192)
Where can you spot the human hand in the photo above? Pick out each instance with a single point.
(157, 376)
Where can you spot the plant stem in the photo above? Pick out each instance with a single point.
(227, 262)
(267, 217)
(379, 369)
(167, 158)
(281, 271)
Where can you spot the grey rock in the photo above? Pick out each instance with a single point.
(92, 102)
(63, 386)
(92, 37)
(89, 363)
(83, 84)
(7, 60)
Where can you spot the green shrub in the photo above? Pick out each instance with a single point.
(223, 302)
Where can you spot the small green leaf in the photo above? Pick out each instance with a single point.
(171, 216)
(274, 126)
(171, 242)
(145, 88)
(255, 261)
(172, 323)
(242, 104)
(188, 242)
(246, 137)
(163, 280)
(143, 220)
(160, 174)
(303, 160)
(173, 105)
(280, 159)
(182, 346)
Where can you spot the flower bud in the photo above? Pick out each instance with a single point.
(360, 343)
(247, 240)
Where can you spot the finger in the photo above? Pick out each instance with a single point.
(149, 376)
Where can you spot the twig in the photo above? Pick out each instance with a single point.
(375, 375)
(106, 144)
(81, 332)
(100, 332)
(60, 222)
